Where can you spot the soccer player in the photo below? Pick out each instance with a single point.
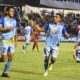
(76, 49)
(54, 33)
(8, 28)
(35, 35)
(27, 31)
(0, 32)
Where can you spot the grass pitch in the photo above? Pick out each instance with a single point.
(29, 66)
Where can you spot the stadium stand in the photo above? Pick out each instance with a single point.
(65, 4)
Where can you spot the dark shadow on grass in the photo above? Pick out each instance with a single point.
(13, 78)
(26, 72)
(20, 79)
(65, 59)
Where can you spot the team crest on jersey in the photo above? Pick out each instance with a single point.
(54, 31)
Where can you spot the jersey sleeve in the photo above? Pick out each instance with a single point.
(16, 24)
(46, 27)
(64, 31)
(2, 22)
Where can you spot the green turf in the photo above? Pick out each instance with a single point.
(29, 66)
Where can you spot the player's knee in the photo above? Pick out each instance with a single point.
(3, 59)
(10, 57)
(46, 58)
(53, 59)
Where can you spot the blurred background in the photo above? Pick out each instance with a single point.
(44, 11)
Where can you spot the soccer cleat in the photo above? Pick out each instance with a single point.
(4, 75)
(45, 74)
(78, 61)
(50, 68)
(23, 51)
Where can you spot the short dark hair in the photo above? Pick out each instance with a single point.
(0, 10)
(79, 22)
(8, 8)
(59, 15)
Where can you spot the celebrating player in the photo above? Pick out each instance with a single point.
(27, 31)
(54, 32)
(8, 27)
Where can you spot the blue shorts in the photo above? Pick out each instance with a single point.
(51, 51)
(7, 48)
(78, 56)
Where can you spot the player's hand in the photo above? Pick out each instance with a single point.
(67, 36)
(1, 28)
(10, 28)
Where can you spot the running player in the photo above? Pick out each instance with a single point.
(0, 32)
(35, 35)
(54, 32)
(76, 49)
(27, 31)
(8, 39)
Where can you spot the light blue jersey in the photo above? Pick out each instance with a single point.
(8, 36)
(6, 22)
(78, 44)
(0, 35)
(0, 21)
(0, 25)
(54, 33)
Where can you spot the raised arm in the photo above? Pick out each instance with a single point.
(43, 29)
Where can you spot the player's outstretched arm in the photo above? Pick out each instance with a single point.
(41, 29)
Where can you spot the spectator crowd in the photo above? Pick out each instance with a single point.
(70, 20)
